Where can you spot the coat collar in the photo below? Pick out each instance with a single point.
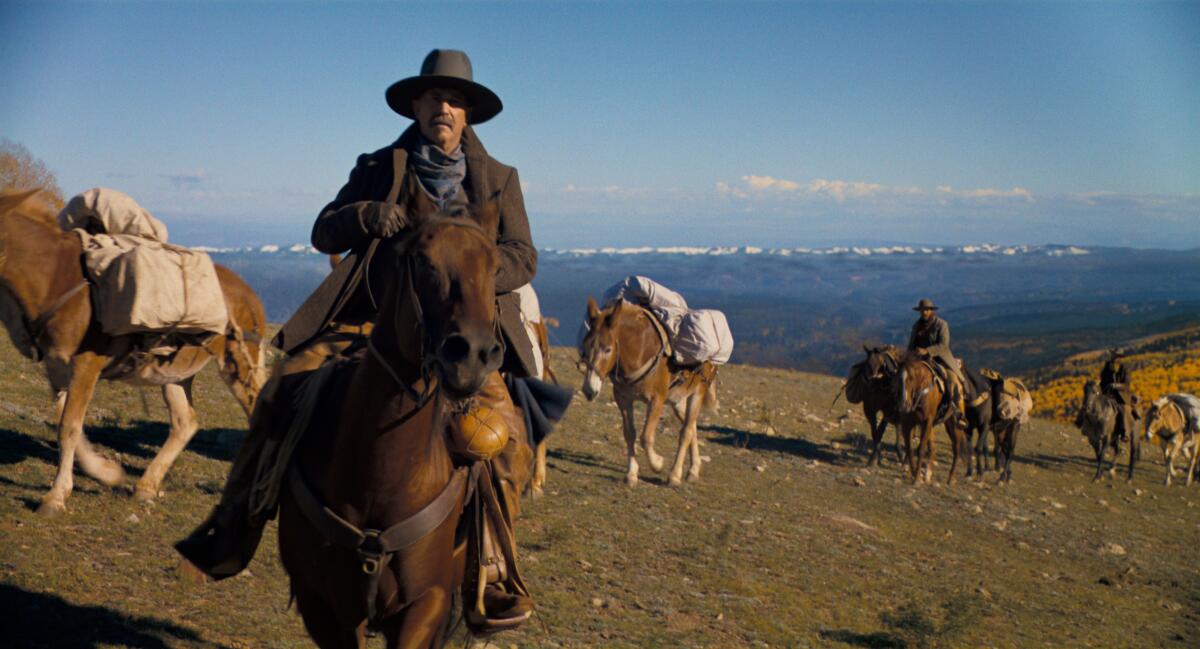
(478, 182)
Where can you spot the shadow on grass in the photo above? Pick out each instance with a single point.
(16, 446)
(758, 442)
(42, 620)
(877, 640)
(582, 459)
(917, 626)
(144, 439)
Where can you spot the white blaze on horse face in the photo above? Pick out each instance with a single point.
(592, 384)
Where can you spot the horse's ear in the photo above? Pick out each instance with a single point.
(593, 309)
(616, 310)
(866, 349)
(489, 218)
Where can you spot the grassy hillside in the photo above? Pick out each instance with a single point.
(1159, 364)
(785, 541)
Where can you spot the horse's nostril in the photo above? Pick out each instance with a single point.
(495, 351)
(455, 349)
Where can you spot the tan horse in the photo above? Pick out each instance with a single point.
(382, 464)
(1167, 426)
(47, 309)
(918, 397)
(626, 344)
(537, 485)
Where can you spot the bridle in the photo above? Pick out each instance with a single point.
(375, 548)
(615, 373)
(426, 375)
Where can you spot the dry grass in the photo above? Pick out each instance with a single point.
(785, 541)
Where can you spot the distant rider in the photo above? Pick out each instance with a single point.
(1115, 383)
(931, 335)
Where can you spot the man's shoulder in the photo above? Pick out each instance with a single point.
(382, 156)
(498, 169)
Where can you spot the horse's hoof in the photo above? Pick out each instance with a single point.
(675, 481)
(52, 508)
(144, 495)
(693, 477)
(631, 480)
(536, 493)
(656, 462)
(109, 473)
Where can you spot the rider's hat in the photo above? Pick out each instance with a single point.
(445, 69)
(925, 303)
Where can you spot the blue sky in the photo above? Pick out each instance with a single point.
(668, 123)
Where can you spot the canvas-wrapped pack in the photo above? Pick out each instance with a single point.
(704, 335)
(141, 282)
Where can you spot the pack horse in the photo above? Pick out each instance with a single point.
(50, 314)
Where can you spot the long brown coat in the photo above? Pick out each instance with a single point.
(383, 176)
(934, 337)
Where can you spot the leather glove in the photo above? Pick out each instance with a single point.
(380, 219)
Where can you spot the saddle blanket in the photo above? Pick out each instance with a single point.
(140, 282)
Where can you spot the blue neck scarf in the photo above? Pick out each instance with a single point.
(441, 174)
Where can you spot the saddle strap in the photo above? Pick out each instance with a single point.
(376, 547)
(664, 350)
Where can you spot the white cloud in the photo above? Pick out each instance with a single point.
(1015, 192)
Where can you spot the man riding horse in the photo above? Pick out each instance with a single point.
(1115, 383)
(439, 159)
(931, 336)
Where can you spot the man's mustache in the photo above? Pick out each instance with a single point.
(442, 120)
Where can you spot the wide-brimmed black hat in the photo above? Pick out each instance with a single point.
(1117, 352)
(925, 303)
(445, 69)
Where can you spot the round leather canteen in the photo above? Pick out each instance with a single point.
(480, 433)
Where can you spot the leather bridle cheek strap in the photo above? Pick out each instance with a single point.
(37, 327)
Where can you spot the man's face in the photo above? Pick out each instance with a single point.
(926, 314)
(441, 115)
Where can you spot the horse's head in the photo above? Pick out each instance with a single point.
(599, 351)
(881, 361)
(1162, 416)
(446, 298)
(913, 381)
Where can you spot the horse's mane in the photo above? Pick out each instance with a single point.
(30, 203)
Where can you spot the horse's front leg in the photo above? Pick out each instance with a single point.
(178, 397)
(876, 435)
(957, 445)
(625, 405)
(653, 414)
(694, 404)
(85, 373)
(538, 484)
(322, 624)
(928, 451)
(422, 624)
(908, 450)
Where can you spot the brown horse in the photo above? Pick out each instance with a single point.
(870, 383)
(1167, 425)
(384, 461)
(47, 309)
(626, 344)
(919, 405)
